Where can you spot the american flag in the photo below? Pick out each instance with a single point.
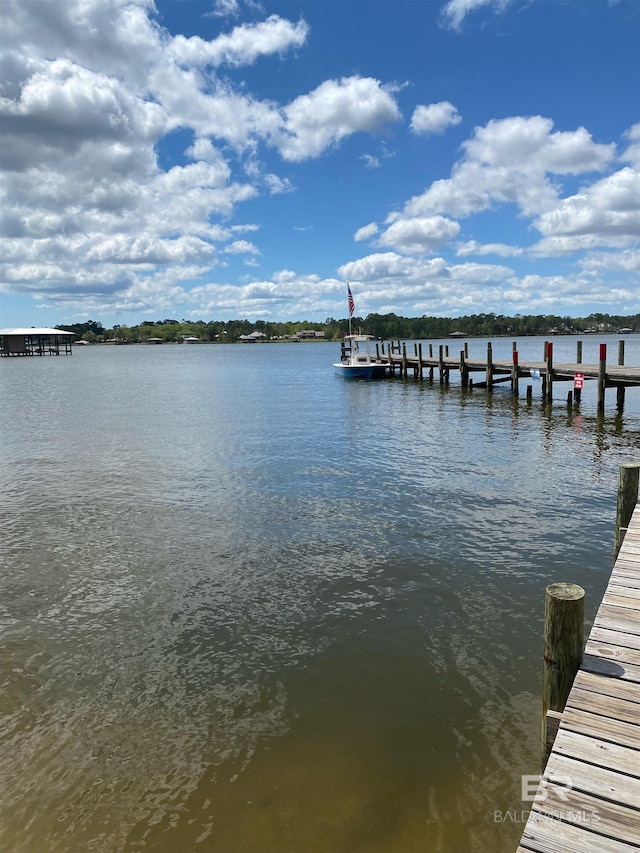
(352, 304)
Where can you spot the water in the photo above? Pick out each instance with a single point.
(249, 607)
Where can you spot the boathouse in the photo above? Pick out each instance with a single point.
(34, 341)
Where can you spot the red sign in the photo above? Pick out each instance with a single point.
(578, 381)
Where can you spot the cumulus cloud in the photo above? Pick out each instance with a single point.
(243, 46)
(366, 232)
(471, 247)
(420, 235)
(336, 109)
(435, 118)
(92, 89)
(511, 161)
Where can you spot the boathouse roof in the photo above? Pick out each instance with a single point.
(33, 331)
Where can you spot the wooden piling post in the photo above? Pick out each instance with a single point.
(441, 363)
(420, 360)
(628, 479)
(430, 350)
(464, 372)
(515, 373)
(404, 359)
(529, 393)
(563, 648)
(549, 358)
(579, 352)
(466, 350)
(620, 392)
(602, 376)
(489, 367)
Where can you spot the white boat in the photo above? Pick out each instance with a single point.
(357, 361)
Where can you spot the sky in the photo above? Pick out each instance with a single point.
(232, 159)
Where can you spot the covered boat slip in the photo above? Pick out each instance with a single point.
(35, 341)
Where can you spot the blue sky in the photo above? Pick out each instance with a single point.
(230, 159)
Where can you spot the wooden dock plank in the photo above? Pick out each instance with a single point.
(605, 728)
(601, 816)
(603, 665)
(590, 779)
(544, 834)
(619, 654)
(594, 805)
(615, 638)
(592, 683)
(605, 754)
(607, 706)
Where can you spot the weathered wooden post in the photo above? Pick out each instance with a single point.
(628, 479)
(549, 358)
(430, 350)
(441, 363)
(620, 390)
(515, 373)
(420, 360)
(464, 372)
(563, 648)
(466, 349)
(404, 359)
(602, 376)
(579, 352)
(489, 367)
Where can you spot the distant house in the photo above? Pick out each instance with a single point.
(457, 335)
(188, 339)
(625, 331)
(308, 334)
(155, 340)
(253, 338)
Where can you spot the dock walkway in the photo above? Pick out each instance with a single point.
(619, 376)
(588, 800)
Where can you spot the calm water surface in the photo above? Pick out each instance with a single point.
(249, 607)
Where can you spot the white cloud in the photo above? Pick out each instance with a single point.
(455, 11)
(607, 213)
(366, 232)
(242, 247)
(632, 153)
(370, 161)
(336, 109)
(420, 234)
(435, 118)
(243, 46)
(509, 161)
(87, 208)
(471, 247)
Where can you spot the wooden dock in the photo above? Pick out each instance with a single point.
(588, 800)
(398, 358)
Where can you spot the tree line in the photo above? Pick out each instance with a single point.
(383, 326)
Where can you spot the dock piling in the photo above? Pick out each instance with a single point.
(602, 376)
(628, 480)
(563, 648)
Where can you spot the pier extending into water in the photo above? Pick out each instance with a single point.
(423, 360)
(588, 798)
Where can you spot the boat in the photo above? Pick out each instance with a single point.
(357, 361)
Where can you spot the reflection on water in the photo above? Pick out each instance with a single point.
(246, 606)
